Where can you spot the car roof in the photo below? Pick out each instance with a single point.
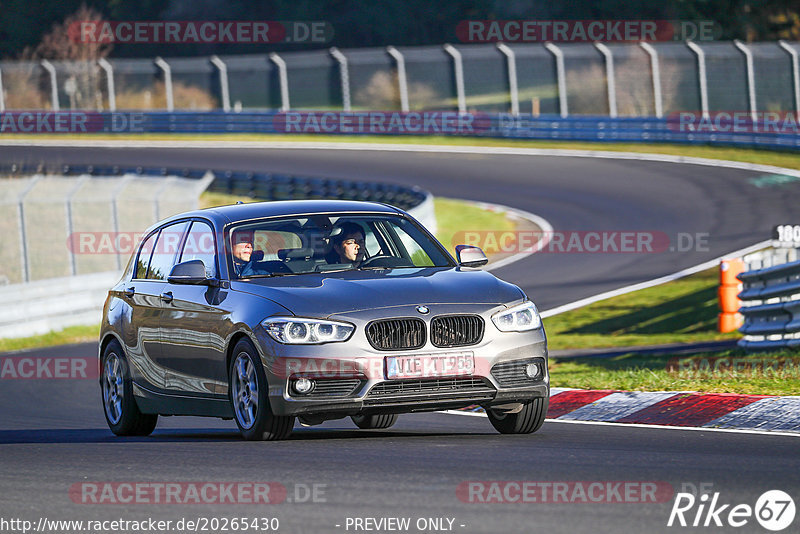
(223, 215)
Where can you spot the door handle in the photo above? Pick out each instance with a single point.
(167, 297)
(129, 292)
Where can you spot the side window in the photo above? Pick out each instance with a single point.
(200, 246)
(143, 258)
(415, 252)
(166, 250)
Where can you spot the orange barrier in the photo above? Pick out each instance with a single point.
(729, 288)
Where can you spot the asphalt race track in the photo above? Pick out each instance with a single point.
(53, 435)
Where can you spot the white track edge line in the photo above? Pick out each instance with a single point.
(540, 222)
(663, 427)
(654, 282)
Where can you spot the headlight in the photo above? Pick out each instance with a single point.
(299, 331)
(520, 318)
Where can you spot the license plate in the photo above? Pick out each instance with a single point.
(430, 365)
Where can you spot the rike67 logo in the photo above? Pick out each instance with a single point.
(774, 510)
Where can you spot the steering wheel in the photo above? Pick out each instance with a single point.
(371, 259)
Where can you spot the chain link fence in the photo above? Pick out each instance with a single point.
(626, 80)
(56, 226)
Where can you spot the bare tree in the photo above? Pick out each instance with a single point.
(81, 78)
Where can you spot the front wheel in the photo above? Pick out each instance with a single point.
(529, 419)
(374, 422)
(119, 406)
(250, 400)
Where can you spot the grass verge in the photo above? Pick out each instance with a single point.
(683, 310)
(72, 334)
(733, 371)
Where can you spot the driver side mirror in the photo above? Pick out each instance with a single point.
(191, 272)
(470, 256)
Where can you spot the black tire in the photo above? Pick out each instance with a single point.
(525, 421)
(256, 421)
(374, 422)
(116, 391)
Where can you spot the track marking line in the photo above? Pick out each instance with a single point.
(637, 425)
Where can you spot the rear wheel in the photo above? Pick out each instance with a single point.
(250, 400)
(119, 406)
(528, 419)
(368, 422)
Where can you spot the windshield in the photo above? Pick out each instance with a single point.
(325, 243)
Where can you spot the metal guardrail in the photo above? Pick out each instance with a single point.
(268, 186)
(771, 307)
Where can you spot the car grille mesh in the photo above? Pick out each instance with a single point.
(432, 386)
(512, 374)
(456, 330)
(334, 388)
(396, 334)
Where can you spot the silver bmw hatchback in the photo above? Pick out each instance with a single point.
(273, 312)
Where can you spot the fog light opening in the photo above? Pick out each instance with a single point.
(532, 370)
(303, 386)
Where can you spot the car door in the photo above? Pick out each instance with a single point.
(142, 339)
(192, 321)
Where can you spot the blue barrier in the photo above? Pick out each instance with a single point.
(773, 132)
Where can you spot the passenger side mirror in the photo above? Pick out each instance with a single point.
(469, 256)
(190, 272)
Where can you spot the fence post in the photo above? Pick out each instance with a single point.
(164, 66)
(655, 69)
(109, 70)
(70, 237)
(795, 75)
(283, 77)
(751, 80)
(2, 95)
(51, 70)
(223, 82)
(513, 89)
(610, 79)
(701, 75)
(458, 71)
(344, 76)
(562, 78)
(167, 181)
(23, 235)
(402, 81)
(115, 212)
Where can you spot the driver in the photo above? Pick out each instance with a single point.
(242, 252)
(348, 244)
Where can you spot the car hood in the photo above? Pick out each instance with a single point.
(326, 294)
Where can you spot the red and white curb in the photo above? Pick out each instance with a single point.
(728, 411)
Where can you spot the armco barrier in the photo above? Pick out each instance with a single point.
(739, 130)
(770, 307)
(267, 186)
